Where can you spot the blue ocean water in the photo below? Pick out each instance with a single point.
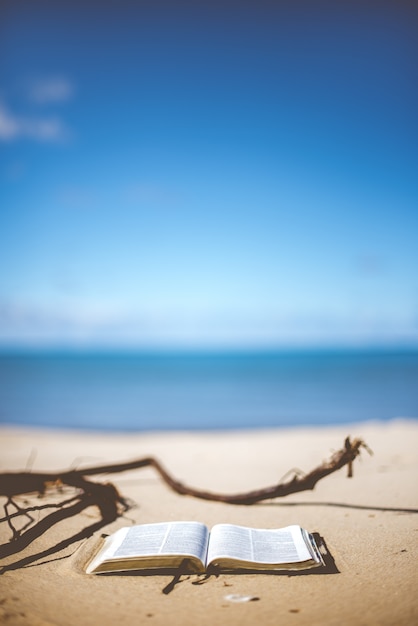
(138, 391)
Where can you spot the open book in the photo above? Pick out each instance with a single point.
(227, 547)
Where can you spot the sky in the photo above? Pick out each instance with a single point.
(208, 174)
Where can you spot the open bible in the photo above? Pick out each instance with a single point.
(226, 547)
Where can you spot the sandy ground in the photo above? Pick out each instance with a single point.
(369, 523)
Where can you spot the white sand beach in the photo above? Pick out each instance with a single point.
(369, 524)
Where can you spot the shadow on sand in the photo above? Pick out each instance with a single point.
(69, 508)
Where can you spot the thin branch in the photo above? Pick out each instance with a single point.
(304, 482)
(23, 482)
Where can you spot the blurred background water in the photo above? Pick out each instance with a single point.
(201, 390)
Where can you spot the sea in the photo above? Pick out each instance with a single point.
(152, 391)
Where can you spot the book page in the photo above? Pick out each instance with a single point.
(185, 538)
(230, 541)
(262, 546)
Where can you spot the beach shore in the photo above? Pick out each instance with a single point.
(369, 524)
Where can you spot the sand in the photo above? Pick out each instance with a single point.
(369, 523)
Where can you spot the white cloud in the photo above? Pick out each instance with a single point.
(149, 193)
(51, 90)
(51, 129)
(44, 128)
(77, 198)
(9, 125)
(70, 320)
(14, 127)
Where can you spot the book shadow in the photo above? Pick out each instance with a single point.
(185, 570)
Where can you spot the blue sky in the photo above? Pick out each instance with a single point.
(203, 174)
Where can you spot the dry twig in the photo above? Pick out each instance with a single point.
(299, 482)
(112, 504)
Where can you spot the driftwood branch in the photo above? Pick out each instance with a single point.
(299, 482)
(108, 498)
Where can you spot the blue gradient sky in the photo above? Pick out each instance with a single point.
(208, 174)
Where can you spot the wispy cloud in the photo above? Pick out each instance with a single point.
(71, 321)
(13, 127)
(77, 198)
(154, 194)
(30, 124)
(51, 90)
